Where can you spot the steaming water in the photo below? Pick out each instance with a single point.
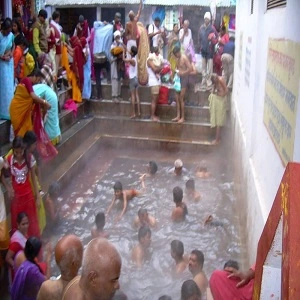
(92, 192)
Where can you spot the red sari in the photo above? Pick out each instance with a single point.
(78, 60)
(23, 200)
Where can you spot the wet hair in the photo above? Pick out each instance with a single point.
(176, 50)
(177, 194)
(153, 167)
(177, 247)
(199, 255)
(157, 19)
(43, 13)
(190, 184)
(29, 138)
(143, 231)
(55, 15)
(165, 297)
(32, 248)
(100, 220)
(21, 216)
(15, 21)
(7, 24)
(36, 72)
(231, 264)
(142, 211)
(54, 190)
(134, 51)
(118, 186)
(190, 288)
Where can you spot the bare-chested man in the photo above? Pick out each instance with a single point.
(217, 105)
(141, 251)
(196, 262)
(183, 69)
(131, 31)
(101, 269)
(68, 256)
(177, 250)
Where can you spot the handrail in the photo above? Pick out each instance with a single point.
(287, 206)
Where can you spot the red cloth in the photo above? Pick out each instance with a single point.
(23, 200)
(78, 60)
(163, 97)
(44, 145)
(28, 84)
(84, 32)
(224, 288)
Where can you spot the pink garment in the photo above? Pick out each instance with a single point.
(72, 106)
(224, 288)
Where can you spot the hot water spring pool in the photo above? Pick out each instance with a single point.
(91, 191)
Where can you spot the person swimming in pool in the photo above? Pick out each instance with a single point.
(180, 211)
(191, 192)
(143, 218)
(123, 195)
(98, 229)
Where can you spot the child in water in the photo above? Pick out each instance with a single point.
(52, 206)
(97, 231)
(123, 195)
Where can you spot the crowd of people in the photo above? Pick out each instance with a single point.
(35, 59)
(133, 52)
(29, 273)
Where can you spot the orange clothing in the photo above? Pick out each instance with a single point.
(20, 110)
(18, 63)
(76, 93)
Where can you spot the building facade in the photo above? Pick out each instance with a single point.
(265, 115)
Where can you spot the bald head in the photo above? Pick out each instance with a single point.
(101, 257)
(68, 256)
(131, 15)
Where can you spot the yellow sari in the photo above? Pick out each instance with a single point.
(20, 111)
(76, 93)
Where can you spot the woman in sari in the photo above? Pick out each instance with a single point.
(22, 104)
(173, 40)
(6, 67)
(17, 31)
(87, 84)
(4, 236)
(51, 122)
(76, 92)
(17, 241)
(29, 276)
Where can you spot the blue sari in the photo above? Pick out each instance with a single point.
(52, 121)
(7, 76)
(87, 83)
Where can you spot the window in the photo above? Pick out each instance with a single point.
(275, 3)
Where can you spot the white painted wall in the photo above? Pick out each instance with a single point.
(258, 165)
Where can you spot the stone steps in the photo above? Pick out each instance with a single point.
(165, 112)
(145, 95)
(124, 126)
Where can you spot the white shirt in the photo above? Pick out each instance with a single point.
(152, 79)
(133, 69)
(153, 29)
(187, 38)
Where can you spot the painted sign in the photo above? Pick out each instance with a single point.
(281, 95)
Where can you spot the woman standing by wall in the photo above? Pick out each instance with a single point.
(6, 67)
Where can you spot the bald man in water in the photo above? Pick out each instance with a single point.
(68, 256)
(101, 269)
